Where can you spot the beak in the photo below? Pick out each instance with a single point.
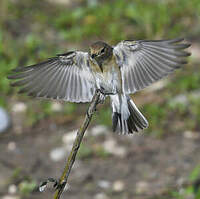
(94, 57)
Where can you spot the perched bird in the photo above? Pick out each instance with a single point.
(116, 71)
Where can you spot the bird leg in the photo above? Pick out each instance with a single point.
(104, 92)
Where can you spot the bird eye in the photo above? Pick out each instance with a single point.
(93, 56)
(103, 50)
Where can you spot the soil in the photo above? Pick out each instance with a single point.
(149, 167)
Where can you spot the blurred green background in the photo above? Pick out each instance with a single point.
(31, 31)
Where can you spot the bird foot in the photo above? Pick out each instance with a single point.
(104, 92)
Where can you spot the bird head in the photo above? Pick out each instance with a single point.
(100, 52)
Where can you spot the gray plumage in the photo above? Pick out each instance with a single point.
(66, 77)
(118, 71)
(145, 61)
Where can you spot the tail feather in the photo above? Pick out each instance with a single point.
(132, 127)
(115, 119)
(136, 115)
(133, 123)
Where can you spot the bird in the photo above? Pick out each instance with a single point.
(117, 71)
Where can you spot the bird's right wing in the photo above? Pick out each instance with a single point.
(66, 76)
(145, 61)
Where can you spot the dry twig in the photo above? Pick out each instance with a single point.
(70, 161)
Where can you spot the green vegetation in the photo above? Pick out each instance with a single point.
(186, 80)
(103, 115)
(187, 114)
(157, 115)
(29, 35)
(191, 190)
(26, 187)
(87, 151)
(31, 31)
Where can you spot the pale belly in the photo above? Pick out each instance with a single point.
(108, 81)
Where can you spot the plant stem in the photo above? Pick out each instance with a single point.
(70, 161)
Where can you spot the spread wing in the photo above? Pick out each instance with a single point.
(144, 62)
(66, 76)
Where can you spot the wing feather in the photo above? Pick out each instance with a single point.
(142, 76)
(41, 86)
(61, 77)
(69, 83)
(59, 85)
(65, 85)
(54, 82)
(145, 61)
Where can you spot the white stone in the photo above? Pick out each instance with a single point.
(179, 99)
(68, 138)
(61, 2)
(181, 181)
(184, 99)
(58, 154)
(99, 130)
(109, 145)
(142, 187)
(11, 146)
(118, 186)
(191, 135)
(56, 107)
(19, 107)
(12, 189)
(112, 147)
(195, 49)
(120, 151)
(100, 196)
(103, 184)
(4, 120)
(10, 197)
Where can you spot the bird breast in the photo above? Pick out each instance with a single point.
(108, 80)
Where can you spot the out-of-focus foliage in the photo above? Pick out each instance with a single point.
(31, 31)
(190, 191)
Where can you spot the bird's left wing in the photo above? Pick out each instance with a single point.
(145, 61)
(66, 76)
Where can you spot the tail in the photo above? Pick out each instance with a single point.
(126, 117)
